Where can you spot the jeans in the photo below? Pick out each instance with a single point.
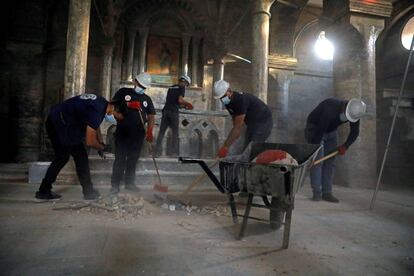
(259, 132)
(169, 119)
(322, 174)
(62, 154)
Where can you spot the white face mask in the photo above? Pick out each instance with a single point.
(342, 117)
(139, 90)
(225, 100)
(110, 119)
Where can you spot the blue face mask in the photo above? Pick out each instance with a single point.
(139, 90)
(226, 100)
(110, 119)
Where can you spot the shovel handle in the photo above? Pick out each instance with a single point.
(329, 156)
(199, 178)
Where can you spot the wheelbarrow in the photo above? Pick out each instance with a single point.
(278, 181)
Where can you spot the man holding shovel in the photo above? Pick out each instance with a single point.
(321, 128)
(130, 133)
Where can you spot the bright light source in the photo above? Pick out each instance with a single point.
(323, 47)
(407, 34)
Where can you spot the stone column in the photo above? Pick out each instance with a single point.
(354, 77)
(185, 40)
(281, 70)
(143, 37)
(218, 74)
(135, 63)
(194, 68)
(130, 54)
(77, 47)
(106, 73)
(261, 17)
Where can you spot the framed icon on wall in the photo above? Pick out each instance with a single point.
(163, 58)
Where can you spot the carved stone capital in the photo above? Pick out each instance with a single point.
(262, 6)
(369, 27)
(282, 62)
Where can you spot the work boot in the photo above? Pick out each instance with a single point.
(132, 188)
(317, 197)
(330, 198)
(49, 195)
(91, 195)
(114, 190)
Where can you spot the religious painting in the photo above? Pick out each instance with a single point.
(163, 55)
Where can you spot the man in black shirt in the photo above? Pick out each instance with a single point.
(68, 125)
(321, 128)
(247, 109)
(130, 133)
(175, 100)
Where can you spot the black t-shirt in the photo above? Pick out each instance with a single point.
(252, 107)
(71, 117)
(173, 94)
(325, 118)
(132, 125)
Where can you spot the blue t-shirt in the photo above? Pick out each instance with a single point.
(72, 116)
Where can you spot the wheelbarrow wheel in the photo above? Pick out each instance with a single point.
(275, 215)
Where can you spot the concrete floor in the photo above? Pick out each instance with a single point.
(326, 239)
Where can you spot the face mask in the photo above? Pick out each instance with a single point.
(225, 100)
(110, 119)
(139, 90)
(342, 117)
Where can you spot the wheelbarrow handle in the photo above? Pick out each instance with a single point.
(329, 156)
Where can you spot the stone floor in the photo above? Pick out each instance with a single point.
(326, 239)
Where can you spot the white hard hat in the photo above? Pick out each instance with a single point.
(186, 78)
(355, 109)
(144, 79)
(220, 88)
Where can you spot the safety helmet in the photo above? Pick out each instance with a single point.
(220, 88)
(186, 78)
(355, 109)
(144, 79)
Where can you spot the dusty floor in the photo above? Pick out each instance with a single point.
(326, 239)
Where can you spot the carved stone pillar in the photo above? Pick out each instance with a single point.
(143, 37)
(354, 77)
(185, 40)
(261, 17)
(194, 68)
(281, 70)
(130, 54)
(106, 73)
(77, 47)
(218, 74)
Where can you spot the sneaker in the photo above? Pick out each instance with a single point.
(92, 195)
(132, 188)
(114, 190)
(330, 198)
(317, 197)
(47, 195)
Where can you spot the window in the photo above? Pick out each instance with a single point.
(323, 47)
(407, 33)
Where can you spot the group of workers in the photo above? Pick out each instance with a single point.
(75, 122)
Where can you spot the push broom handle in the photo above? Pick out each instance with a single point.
(329, 156)
(151, 149)
(199, 178)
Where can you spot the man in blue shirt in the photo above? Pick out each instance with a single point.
(321, 128)
(69, 126)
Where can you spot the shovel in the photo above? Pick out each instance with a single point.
(326, 157)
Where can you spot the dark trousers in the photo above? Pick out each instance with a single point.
(259, 132)
(127, 152)
(169, 119)
(62, 154)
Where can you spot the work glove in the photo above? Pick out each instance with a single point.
(149, 135)
(223, 151)
(134, 105)
(341, 150)
(188, 106)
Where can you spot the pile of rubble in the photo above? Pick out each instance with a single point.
(189, 208)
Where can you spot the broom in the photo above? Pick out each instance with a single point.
(157, 186)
